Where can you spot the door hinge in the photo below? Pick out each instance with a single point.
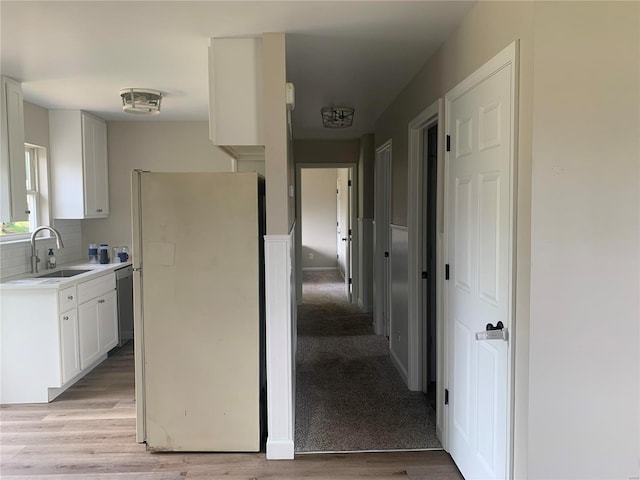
(448, 143)
(349, 183)
(337, 192)
(386, 254)
(424, 274)
(446, 396)
(350, 281)
(349, 231)
(446, 272)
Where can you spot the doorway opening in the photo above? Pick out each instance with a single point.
(349, 395)
(429, 249)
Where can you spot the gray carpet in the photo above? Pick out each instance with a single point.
(349, 396)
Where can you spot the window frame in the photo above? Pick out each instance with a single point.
(37, 181)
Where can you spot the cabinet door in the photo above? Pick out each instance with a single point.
(69, 345)
(13, 193)
(94, 157)
(88, 332)
(108, 322)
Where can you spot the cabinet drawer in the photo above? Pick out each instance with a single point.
(95, 288)
(67, 299)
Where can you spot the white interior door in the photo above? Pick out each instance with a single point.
(480, 117)
(348, 258)
(341, 229)
(344, 229)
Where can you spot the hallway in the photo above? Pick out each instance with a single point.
(349, 396)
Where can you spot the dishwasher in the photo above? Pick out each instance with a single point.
(124, 289)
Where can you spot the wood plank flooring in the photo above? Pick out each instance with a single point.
(88, 433)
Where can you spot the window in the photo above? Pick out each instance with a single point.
(32, 157)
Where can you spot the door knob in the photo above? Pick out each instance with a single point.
(498, 326)
(344, 239)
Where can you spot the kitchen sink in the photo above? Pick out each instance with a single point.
(65, 272)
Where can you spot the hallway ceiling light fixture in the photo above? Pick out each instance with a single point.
(141, 101)
(337, 117)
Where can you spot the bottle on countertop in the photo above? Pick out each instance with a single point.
(51, 259)
(93, 253)
(104, 253)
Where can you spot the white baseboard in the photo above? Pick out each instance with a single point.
(319, 269)
(280, 450)
(54, 392)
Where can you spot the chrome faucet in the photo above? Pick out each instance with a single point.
(34, 253)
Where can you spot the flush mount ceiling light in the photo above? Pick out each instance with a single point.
(337, 117)
(141, 101)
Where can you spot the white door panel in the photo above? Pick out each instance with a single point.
(479, 254)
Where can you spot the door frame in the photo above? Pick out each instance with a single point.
(381, 232)
(433, 114)
(353, 245)
(508, 56)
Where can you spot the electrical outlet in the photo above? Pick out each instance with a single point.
(311, 256)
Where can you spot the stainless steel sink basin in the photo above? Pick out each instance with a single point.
(65, 272)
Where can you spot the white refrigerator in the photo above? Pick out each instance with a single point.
(199, 310)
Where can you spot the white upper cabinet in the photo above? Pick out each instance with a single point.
(13, 190)
(79, 171)
(235, 91)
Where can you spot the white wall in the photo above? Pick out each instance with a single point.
(156, 146)
(585, 265)
(399, 326)
(366, 164)
(318, 217)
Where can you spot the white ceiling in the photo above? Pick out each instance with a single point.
(79, 54)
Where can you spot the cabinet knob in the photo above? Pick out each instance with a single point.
(70, 297)
(100, 301)
(99, 210)
(66, 317)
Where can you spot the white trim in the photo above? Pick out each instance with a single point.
(507, 57)
(381, 232)
(54, 392)
(424, 120)
(280, 335)
(319, 269)
(280, 450)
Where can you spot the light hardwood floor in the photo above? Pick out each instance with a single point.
(88, 433)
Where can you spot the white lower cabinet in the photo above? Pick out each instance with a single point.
(89, 339)
(98, 320)
(51, 338)
(69, 345)
(108, 321)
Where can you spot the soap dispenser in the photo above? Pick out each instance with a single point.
(52, 259)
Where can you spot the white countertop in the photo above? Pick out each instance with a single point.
(31, 281)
